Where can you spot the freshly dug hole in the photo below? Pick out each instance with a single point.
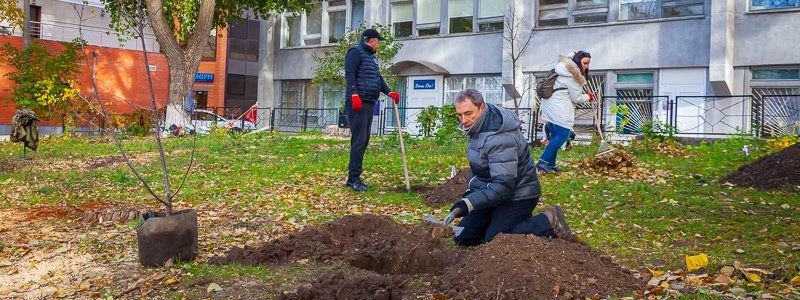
(369, 242)
(388, 260)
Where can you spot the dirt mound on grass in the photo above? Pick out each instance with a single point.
(529, 267)
(368, 242)
(450, 191)
(388, 260)
(775, 171)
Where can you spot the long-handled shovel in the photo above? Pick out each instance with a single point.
(402, 145)
(605, 146)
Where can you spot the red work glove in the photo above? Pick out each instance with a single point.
(395, 96)
(356, 102)
(591, 96)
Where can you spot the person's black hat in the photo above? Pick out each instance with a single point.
(371, 33)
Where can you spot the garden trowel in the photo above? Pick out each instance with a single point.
(448, 220)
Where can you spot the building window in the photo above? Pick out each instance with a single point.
(323, 23)
(357, 14)
(337, 20)
(241, 91)
(491, 87)
(785, 74)
(677, 8)
(776, 96)
(332, 97)
(773, 4)
(428, 15)
(299, 94)
(460, 14)
(402, 14)
(243, 40)
(638, 9)
(590, 11)
(313, 34)
(291, 31)
(211, 54)
(490, 15)
(553, 13)
(651, 9)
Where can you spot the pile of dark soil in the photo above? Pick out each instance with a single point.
(450, 191)
(780, 170)
(368, 242)
(387, 260)
(529, 267)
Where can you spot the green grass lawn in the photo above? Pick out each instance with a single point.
(295, 181)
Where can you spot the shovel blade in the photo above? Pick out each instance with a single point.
(432, 219)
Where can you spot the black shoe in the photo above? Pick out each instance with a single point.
(357, 185)
(559, 223)
(544, 168)
(557, 169)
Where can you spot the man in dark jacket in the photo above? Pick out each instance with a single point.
(364, 85)
(504, 188)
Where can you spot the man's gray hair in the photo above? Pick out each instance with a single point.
(473, 95)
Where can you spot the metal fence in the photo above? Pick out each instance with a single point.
(627, 114)
(303, 119)
(715, 115)
(409, 120)
(780, 115)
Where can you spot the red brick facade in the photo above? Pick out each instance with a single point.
(120, 75)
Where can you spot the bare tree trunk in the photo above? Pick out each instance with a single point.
(26, 24)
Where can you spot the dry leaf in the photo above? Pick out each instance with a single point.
(171, 280)
(213, 287)
(753, 277)
(721, 278)
(727, 271)
(796, 280)
(695, 262)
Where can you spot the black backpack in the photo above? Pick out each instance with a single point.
(544, 88)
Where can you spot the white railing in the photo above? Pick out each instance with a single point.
(95, 36)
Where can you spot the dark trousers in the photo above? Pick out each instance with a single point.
(360, 127)
(507, 217)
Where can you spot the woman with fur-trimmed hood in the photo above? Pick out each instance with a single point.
(558, 111)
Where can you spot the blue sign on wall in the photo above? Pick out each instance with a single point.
(428, 84)
(203, 77)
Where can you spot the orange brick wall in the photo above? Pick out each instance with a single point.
(120, 75)
(216, 89)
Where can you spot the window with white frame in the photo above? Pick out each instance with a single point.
(590, 11)
(553, 13)
(651, 9)
(572, 12)
(490, 15)
(460, 13)
(491, 87)
(428, 17)
(323, 23)
(356, 13)
(313, 25)
(337, 20)
(402, 19)
(773, 4)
